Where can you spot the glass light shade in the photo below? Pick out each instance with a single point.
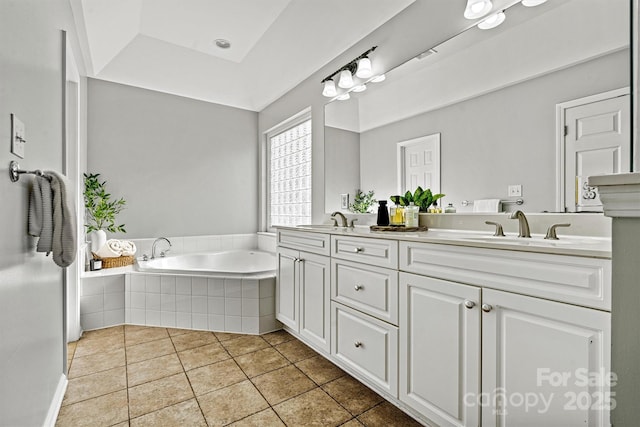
(364, 68)
(329, 89)
(378, 79)
(531, 3)
(477, 8)
(492, 21)
(344, 97)
(346, 79)
(360, 88)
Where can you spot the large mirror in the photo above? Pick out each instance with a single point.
(497, 101)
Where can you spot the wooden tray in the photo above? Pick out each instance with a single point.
(397, 228)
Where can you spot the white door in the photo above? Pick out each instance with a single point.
(542, 362)
(597, 141)
(287, 288)
(440, 349)
(419, 164)
(315, 311)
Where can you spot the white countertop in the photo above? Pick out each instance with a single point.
(584, 246)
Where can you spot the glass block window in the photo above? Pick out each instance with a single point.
(290, 175)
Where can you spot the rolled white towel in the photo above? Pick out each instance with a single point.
(128, 248)
(111, 249)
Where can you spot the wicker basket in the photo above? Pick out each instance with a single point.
(120, 261)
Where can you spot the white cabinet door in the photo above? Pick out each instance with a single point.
(315, 297)
(440, 349)
(287, 288)
(542, 362)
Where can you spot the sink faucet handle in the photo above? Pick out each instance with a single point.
(352, 225)
(499, 231)
(551, 232)
(335, 221)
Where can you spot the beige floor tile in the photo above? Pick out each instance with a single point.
(140, 336)
(385, 415)
(105, 410)
(244, 344)
(94, 385)
(71, 349)
(149, 350)
(262, 419)
(278, 337)
(185, 414)
(352, 423)
(232, 403)
(352, 394)
(225, 336)
(215, 376)
(261, 361)
(153, 369)
(314, 408)
(152, 396)
(97, 362)
(201, 356)
(283, 384)
(101, 333)
(175, 331)
(93, 346)
(295, 351)
(133, 328)
(319, 369)
(193, 340)
(123, 424)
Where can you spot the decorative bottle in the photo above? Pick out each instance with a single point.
(411, 215)
(383, 213)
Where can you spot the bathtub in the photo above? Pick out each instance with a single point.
(235, 263)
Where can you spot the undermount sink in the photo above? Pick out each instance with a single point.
(535, 241)
(320, 226)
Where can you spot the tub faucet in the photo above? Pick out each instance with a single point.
(523, 224)
(342, 217)
(153, 248)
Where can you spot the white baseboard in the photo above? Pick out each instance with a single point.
(56, 402)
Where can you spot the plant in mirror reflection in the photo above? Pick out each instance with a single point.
(100, 210)
(363, 203)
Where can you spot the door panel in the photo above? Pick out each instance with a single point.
(287, 288)
(315, 310)
(419, 163)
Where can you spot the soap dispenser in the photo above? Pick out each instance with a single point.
(450, 208)
(383, 213)
(411, 215)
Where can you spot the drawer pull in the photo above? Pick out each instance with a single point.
(357, 344)
(358, 287)
(469, 304)
(358, 250)
(486, 308)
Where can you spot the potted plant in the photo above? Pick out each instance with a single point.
(362, 203)
(100, 211)
(421, 198)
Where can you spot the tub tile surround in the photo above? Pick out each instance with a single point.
(117, 296)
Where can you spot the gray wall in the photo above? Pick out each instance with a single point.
(31, 289)
(185, 167)
(492, 141)
(341, 147)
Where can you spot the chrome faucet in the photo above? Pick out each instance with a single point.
(153, 248)
(342, 217)
(523, 224)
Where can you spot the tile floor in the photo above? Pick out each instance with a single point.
(144, 376)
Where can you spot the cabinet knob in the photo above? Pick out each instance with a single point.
(486, 308)
(357, 344)
(358, 250)
(469, 304)
(357, 287)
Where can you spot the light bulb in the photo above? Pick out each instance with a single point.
(492, 21)
(344, 96)
(477, 8)
(531, 3)
(364, 68)
(360, 88)
(329, 89)
(346, 79)
(378, 79)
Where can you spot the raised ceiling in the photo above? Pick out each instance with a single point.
(169, 45)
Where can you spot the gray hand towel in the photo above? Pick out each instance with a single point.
(46, 232)
(35, 208)
(64, 222)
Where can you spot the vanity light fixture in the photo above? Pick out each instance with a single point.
(223, 43)
(359, 67)
(360, 88)
(477, 8)
(379, 78)
(343, 97)
(492, 21)
(532, 3)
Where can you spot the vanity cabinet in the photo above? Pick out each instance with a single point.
(303, 293)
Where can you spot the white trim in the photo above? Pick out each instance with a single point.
(560, 142)
(401, 146)
(56, 402)
(620, 194)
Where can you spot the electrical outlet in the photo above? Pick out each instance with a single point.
(17, 137)
(344, 201)
(515, 190)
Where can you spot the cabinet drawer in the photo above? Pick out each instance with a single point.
(367, 346)
(382, 253)
(373, 290)
(316, 243)
(574, 280)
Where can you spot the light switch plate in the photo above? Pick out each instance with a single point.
(515, 190)
(17, 136)
(344, 201)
